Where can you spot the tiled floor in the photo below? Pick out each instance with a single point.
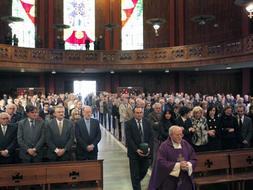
(116, 167)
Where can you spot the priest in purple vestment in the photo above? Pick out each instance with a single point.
(175, 162)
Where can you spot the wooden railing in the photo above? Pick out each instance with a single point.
(179, 56)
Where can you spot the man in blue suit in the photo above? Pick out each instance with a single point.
(88, 135)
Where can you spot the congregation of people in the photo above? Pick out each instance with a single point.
(36, 129)
(41, 128)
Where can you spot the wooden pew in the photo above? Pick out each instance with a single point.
(22, 174)
(77, 171)
(52, 173)
(212, 168)
(242, 165)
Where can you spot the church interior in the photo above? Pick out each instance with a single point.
(177, 53)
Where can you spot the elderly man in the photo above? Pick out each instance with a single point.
(8, 139)
(88, 135)
(174, 165)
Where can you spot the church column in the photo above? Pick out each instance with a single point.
(41, 23)
(42, 80)
(108, 86)
(50, 32)
(245, 23)
(246, 81)
(181, 9)
(180, 82)
(116, 7)
(107, 21)
(51, 84)
(171, 23)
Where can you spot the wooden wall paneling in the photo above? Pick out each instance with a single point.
(228, 17)
(210, 82)
(156, 9)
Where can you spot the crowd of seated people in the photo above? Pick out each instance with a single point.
(210, 122)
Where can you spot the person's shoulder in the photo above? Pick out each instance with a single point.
(185, 143)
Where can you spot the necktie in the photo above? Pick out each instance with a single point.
(87, 123)
(60, 127)
(4, 130)
(140, 129)
(32, 124)
(240, 121)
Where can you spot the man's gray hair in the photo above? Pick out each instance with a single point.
(172, 129)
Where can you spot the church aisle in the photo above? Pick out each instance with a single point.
(116, 165)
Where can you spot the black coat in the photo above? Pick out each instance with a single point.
(133, 137)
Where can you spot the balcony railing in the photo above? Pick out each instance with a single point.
(201, 53)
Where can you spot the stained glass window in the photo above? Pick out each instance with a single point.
(25, 30)
(132, 24)
(80, 16)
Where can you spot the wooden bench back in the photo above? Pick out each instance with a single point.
(241, 159)
(212, 161)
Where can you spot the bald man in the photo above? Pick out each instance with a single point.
(177, 158)
(88, 135)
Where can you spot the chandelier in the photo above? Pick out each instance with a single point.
(248, 4)
(156, 23)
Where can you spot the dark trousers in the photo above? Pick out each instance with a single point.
(138, 170)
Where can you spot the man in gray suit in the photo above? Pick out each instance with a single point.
(31, 136)
(88, 135)
(59, 136)
(245, 127)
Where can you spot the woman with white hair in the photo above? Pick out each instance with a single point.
(200, 134)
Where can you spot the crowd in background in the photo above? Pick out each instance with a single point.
(210, 122)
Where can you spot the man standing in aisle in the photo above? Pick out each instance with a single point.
(138, 134)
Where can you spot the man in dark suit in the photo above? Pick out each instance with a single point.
(59, 136)
(138, 131)
(88, 135)
(245, 127)
(8, 139)
(31, 136)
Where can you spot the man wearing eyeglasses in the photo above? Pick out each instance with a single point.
(8, 139)
(31, 136)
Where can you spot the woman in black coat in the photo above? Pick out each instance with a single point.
(167, 120)
(214, 131)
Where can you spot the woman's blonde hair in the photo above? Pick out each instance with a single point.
(196, 109)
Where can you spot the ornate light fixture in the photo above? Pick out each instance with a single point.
(248, 4)
(61, 27)
(156, 23)
(202, 19)
(11, 19)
